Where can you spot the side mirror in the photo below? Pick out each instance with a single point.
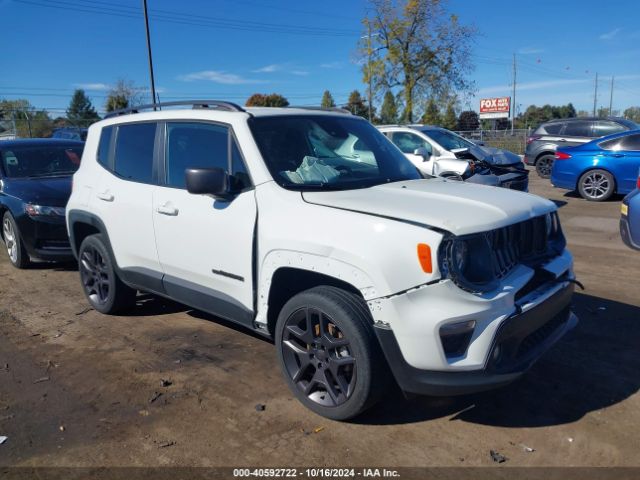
(208, 181)
(422, 152)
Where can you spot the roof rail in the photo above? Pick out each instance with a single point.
(196, 104)
(325, 109)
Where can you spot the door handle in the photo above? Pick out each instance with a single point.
(166, 210)
(106, 196)
(562, 140)
(617, 155)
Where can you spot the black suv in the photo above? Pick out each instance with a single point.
(567, 132)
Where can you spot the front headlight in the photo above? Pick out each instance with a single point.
(468, 261)
(43, 211)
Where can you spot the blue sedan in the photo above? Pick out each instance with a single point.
(600, 168)
(630, 218)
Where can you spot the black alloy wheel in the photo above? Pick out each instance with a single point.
(544, 165)
(318, 357)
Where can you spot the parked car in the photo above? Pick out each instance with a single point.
(630, 218)
(600, 168)
(440, 152)
(70, 133)
(35, 184)
(354, 269)
(568, 132)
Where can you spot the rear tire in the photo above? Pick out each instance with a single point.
(596, 185)
(543, 165)
(329, 353)
(100, 282)
(18, 255)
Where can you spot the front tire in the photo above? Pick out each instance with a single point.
(18, 255)
(100, 282)
(544, 165)
(596, 185)
(329, 353)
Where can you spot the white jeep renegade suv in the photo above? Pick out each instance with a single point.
(362, 272)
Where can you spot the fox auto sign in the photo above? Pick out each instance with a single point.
(495, 107)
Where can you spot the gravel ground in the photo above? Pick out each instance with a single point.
(81, 389)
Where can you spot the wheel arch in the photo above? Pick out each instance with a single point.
(81, 225)
(286, 282)
(542, 154)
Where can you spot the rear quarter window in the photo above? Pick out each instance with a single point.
(104, 147)
(550, 128)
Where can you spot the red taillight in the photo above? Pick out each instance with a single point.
(638, 182)
(562, 156)
(531, 139)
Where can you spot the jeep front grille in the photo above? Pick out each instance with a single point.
(520, 242)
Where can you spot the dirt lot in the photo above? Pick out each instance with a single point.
(81, 389)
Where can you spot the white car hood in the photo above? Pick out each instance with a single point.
(458, 207)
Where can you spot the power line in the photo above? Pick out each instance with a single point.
(193, 20)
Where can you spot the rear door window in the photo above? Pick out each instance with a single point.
(631, 142)
(134, 151)
(578, 129)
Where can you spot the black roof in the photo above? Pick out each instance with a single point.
(39, 142)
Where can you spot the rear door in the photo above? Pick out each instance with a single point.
(123, 199)
(575, 133)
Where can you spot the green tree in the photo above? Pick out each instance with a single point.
(264, 100)
(28, 121)
(632, 113)
(469, 120)
(450, 121)
(389, 109)
(356, 105)
(417, 46)
(327, 100)
(80, 111)
(431, 114)
(123, 94)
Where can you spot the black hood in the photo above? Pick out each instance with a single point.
(50, 191)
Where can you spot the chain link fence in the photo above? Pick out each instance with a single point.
(515, 141)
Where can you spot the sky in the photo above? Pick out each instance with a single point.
(229, 49)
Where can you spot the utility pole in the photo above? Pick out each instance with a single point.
(611, 98)
(595, 96)
(513, 97)
(146, 23)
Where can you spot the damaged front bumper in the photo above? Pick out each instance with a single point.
(520, 340)
(512, 328)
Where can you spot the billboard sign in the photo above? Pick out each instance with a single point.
(495, 107)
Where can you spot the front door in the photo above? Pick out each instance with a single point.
(205, 245)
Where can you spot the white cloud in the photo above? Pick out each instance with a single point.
(332, 65)
(274, 67)
(92, 86)
(610, 35)
(216, 76)
(530, 86)
(300, 73)
(530, 50)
